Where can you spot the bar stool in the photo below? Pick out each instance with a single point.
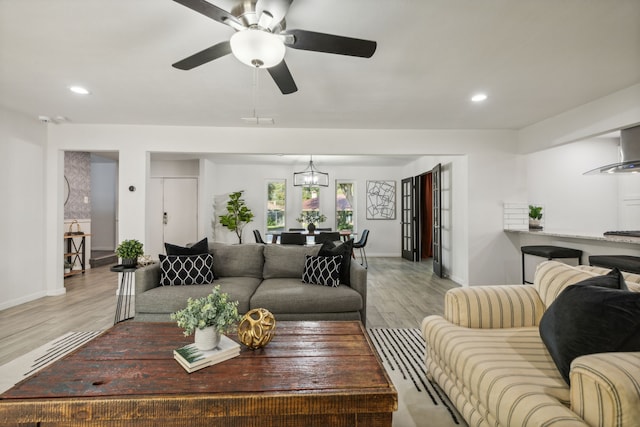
(548, 252)
(627, 263)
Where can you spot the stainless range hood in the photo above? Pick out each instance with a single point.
(629, 154)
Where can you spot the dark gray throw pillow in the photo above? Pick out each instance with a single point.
(202, 247)
(345, 249)
(588, 318)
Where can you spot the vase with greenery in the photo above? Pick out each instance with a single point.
(208, 317)
(238, 214)
(535, 215)
(311, 218)
(129, 251)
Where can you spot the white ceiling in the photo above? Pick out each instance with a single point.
(534, 58)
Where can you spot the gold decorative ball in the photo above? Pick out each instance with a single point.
(256, 328)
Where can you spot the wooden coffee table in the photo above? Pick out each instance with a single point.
(311, 374)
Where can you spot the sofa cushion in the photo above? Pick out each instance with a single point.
(322, 270)
(178, 270)
(289, 295)
(231, 260)
(588, 318)
(345, 249)
(169, 299)
(552, 277)
(286, 260)
(201, 247)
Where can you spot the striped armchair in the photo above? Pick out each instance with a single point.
(487, 355)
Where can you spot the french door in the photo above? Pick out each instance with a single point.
(407, 219)
(436, 204)
(411, 212)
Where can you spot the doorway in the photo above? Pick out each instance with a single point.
(420, 218)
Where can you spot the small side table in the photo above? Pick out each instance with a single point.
(124, 292)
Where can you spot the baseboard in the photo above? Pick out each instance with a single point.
(27, 298)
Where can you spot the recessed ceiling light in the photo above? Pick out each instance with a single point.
(479, 97)
(79, 90)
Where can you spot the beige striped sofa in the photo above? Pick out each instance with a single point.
(487, 355)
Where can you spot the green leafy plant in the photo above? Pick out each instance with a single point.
(213, 310)
(311, 217)
(238, 214)
(129, 249)
(535, 212)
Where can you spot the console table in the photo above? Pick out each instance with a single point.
(75, 248)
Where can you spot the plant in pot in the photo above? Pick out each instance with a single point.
(208, 317)
(129, 251)
(535, 215)
(311, 218)
(238, 214)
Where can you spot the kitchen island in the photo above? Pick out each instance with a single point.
(590, 243)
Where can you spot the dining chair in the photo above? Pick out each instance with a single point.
(360, 244)
(327, 236)
(323, 229)
(293, 239)
(297, 229)
(258, 236)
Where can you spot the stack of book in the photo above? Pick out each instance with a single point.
(191, 358)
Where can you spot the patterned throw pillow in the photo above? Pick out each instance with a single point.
(178, 270)
(322, 270)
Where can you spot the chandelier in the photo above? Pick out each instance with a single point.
(310, 177)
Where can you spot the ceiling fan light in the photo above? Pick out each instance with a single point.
(257, 48)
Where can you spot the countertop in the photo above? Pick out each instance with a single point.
(579, 235)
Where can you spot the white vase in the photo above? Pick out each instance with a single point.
(207, 338)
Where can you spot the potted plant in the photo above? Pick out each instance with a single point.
(208, 317)
(311, 218)
(238, 214)
(129, 251)
(67, 267)
(535, 215)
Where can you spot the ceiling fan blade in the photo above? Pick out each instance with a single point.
(321, 42)
(209, 54)
(211, 11)
(283, 78)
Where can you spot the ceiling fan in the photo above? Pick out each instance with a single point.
(261, 37)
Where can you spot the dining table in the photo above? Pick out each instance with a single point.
(344, 234)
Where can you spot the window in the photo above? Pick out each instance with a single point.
(276, 204)
(345, 205)
(310, 204)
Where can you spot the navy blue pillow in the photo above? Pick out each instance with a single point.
(345, 249)
(202, 247)
(593, 316)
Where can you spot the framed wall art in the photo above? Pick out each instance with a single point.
(381, 200)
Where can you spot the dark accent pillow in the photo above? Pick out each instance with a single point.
(178, 270)
(587, 319)
(322, 270)
(345, 249)
(202, 247)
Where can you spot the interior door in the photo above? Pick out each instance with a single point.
(407, 220)
(172, 213)
(436, 179)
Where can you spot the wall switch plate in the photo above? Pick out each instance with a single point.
(86, 199)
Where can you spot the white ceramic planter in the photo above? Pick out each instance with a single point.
(207, 338)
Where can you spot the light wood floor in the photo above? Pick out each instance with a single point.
(400, 294)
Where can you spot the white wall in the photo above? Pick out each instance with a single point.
(384, 237)
(22, 154)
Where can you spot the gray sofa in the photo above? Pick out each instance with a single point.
(258, 275)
